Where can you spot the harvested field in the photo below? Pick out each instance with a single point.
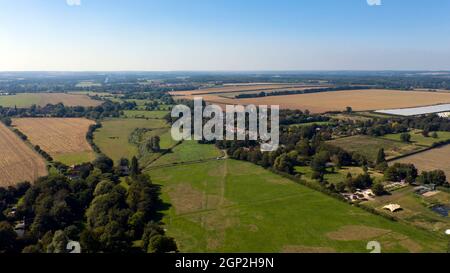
(359, 100)
(25, 100)
(18, 161)
(60, 137)
(241, 89)
(438, 158)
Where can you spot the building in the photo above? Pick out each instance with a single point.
(444, 115)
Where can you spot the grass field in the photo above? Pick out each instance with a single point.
(24, 100)
(145, 114)
(339, 175)
(418, 139)
(359, 100)
(369, 146)
(18, 162)
(63, 138)
(416, 209)
(234, 206)
(435, 159)
(188, 151)
(113, 137)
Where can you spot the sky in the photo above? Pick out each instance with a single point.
(224, 35)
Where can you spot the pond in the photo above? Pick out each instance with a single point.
(440, 209)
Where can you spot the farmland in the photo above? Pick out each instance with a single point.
(238, 89)
(435, 159)
(359, 100)
(418, 139)
(113, 137)
(145, 114)
(232, 206)
(63, 138)
(18, 162)
(369, 146)
(24, 100)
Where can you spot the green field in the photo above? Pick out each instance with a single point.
(113, 137)
(416, 209)
(20, 100)
(369, 146)
(75, 158)
(234, 206)
(418, 139)
(319, 123)
(145, 114)
(188, 151)
(339, 175)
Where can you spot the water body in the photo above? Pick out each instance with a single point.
(442, 210)
(417, 110)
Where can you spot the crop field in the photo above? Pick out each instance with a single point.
(418, 139)
(359, 100)
(233, 206)
(238, 88)
(435, 159)
(18, 162)
(369, 146)
(63, 138)
(145, 114)
(24, 100)
(113, 137)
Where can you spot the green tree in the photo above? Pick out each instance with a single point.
(378, 189)
(405, 137)
(134, 168)
(7, 238)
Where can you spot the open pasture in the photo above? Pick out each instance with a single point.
(24, 100)
(18, 161)
(63, 138)
(233, 206)
(113, 137)
(369, 146)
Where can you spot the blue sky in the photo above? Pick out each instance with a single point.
(224, 35)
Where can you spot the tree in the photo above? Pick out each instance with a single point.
(7, 238)
(134, 168)
(161, 244)
(378, 189)
(104, 163)
(405, 137)
(319, 162)
(59, 243)
(381, 157)
(349, 109)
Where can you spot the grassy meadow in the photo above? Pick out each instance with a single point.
(113, 137)
(233, 206)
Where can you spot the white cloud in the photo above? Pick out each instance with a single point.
(374, 2)
(73, 2)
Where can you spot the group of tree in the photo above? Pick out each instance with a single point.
(91, 207)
